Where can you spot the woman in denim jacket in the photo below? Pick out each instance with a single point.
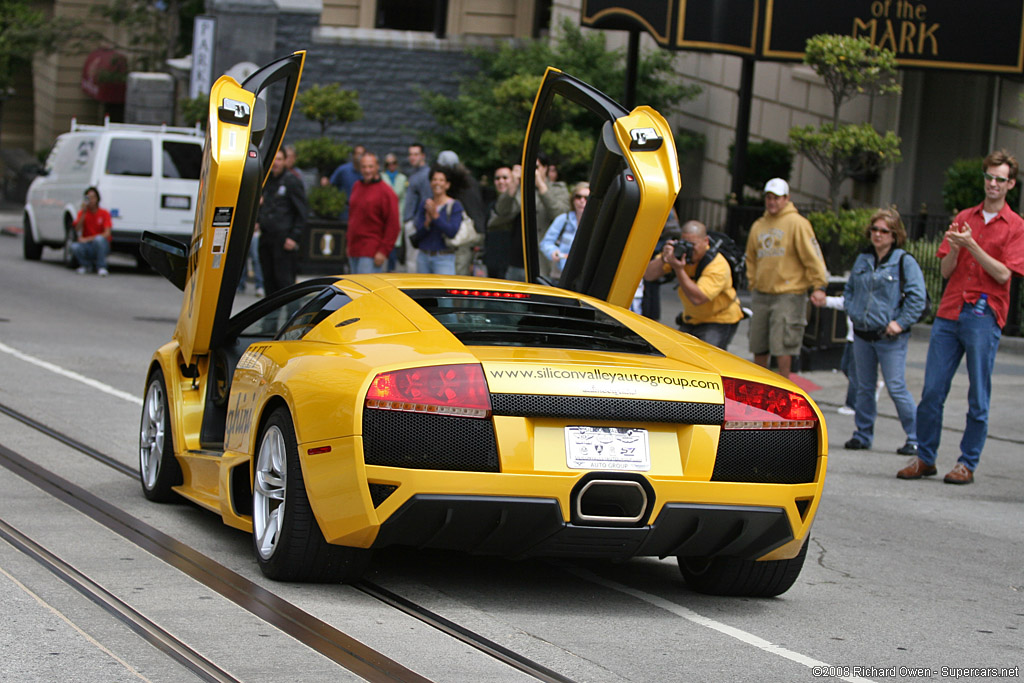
(882, 312)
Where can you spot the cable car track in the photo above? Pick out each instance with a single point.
(304, 627)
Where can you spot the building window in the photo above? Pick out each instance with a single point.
(413, 15)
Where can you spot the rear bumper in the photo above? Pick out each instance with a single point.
(534, 527)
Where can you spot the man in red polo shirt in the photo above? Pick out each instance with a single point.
(981, 251)
(93, 225)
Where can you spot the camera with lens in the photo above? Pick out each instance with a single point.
(684, 251)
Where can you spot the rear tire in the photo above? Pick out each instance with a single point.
(733, 576)
(159, 470)
(30, 249)
(287, 540)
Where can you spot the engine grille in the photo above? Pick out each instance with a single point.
(428, 442)
(598, 408)
(767, 456)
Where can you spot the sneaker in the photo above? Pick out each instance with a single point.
(103, 272)
(846, 410)
(856, 444)
(907, 449)
(81, 270)
(260, 293)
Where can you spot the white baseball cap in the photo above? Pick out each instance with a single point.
(777, 186)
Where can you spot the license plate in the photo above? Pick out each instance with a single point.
(607, 448)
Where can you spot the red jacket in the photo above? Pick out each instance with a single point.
(373, 219)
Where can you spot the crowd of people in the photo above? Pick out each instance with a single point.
(410, 221)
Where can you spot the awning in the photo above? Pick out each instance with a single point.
(104, 74)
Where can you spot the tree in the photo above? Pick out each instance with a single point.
(24, 31)
(327, 105)
(849, 66)
(486, 122)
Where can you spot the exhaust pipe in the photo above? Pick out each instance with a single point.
(611, 500)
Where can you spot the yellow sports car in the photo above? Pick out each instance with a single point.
(518, 419)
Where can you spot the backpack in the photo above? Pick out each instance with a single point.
(903, 294)
(737, 258)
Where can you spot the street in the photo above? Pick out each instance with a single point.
(903, 579)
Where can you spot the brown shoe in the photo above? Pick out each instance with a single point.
(959, 475)
(917, 469)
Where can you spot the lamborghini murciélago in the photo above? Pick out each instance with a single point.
(518, 419)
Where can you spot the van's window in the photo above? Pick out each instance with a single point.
(130, 156)
(182, 160)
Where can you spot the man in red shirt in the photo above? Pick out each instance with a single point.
(980, 253)
(93, 226)
(373, 219)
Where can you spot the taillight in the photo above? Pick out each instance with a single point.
(752, 405)
(440, 389)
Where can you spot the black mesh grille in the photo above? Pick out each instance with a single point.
(596, 408)
(428, 442)
(767, 456)
(380, 492)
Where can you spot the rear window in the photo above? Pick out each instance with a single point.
(130, 156)
(495, 318)
(182, 160)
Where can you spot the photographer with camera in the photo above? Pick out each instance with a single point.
(711, 310)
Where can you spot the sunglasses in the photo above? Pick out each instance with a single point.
(883, 231)
(998, 179)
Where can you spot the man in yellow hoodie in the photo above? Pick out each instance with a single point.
(784, 263)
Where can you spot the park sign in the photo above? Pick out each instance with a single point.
(935, 34)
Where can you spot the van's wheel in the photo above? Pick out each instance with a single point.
(286, 537)
(30, 249)
(70, 237)
(733, 576)
(159, 470)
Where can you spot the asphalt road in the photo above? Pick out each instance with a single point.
(899, 574)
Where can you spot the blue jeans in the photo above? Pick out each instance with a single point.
(434, 262)
(891, 354)
(254, 260)
(92, 254)
(849, 367)
(977, 336)
(364, 264)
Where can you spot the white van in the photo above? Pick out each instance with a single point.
(147, 177)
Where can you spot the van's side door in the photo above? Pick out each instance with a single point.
(180, 163)
(128, 179)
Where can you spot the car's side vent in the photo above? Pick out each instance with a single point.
(380, 492)
(767, 456)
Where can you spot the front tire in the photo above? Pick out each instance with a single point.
(159, 470)
(30, 249)
(736, 577)
(287, 540)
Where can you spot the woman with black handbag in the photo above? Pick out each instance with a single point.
(885, 295)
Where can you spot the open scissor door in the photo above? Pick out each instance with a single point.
(239, 152)
(634, 181)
